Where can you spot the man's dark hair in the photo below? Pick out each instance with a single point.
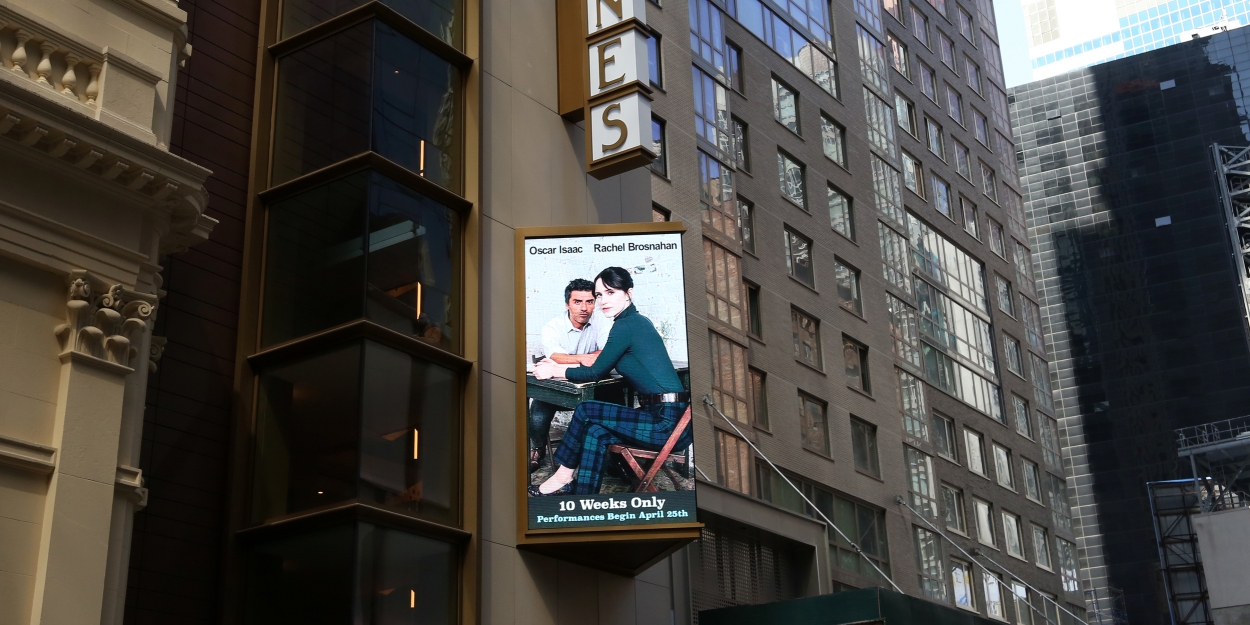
(616, 278)
(579, 284)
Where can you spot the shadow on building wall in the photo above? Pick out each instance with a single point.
(1139, 289)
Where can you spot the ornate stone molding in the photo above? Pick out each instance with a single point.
(83, 148)
(26, 455)
(104, 321)
(155, 351)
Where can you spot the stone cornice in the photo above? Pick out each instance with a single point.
(165, 184)
(166, 14)
(25, 455)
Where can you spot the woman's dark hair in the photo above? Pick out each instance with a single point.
(616, 278)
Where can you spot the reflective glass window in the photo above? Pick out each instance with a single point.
(367, 88)
(362, 246)
(351, 573)
(361, 422)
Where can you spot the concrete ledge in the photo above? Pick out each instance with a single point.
(27, 456)
(722, 502)
(731, 504)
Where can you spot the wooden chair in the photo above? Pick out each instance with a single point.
(646, 478)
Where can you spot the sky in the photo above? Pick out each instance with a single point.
(1013, 40)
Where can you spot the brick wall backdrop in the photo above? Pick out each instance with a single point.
(175, 562)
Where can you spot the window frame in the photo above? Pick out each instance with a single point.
(747, 233)
(928, 80)
(957, 566)
(660, 164)
(792, 262)
(779, 85)
(1019, 534)
(856, 304)
(1005, 453)
(806, 399)
(982, 533)
(784, 162)
(754, 316)
(796, 316)
(969, 434)
(1041, 547)
(759, 398)
(745, 481)
(735, 73)
(849, 204)
(895, 47)
(957, 502)
(936, 138)
(905, 110)
(871, 456)
(966, 206)
(739, 133)
(827, 125)
(907, 161)
(950, 429)
(1025, 465)
(865, 381)
(658, 60)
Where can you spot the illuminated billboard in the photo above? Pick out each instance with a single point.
(605, 413)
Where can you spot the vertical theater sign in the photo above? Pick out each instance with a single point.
(604, 81)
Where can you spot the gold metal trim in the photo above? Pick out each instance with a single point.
(357, 328)
(367, 160)
(386, 14)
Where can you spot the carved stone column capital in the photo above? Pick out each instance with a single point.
(104, 320)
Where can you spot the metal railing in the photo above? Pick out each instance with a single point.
(1208, 433)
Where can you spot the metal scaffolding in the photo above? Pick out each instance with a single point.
(1219, 459)
(1106, 607)
(1173, 504)
(1233, 174)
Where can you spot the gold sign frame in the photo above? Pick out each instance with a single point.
(624, 550)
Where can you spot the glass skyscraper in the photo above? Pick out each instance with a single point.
(1137, 283)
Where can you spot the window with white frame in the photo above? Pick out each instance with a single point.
(1002, 467)
(920, 481)
(976, 452)
(1013, 542)
(983, 517)
(929, 565)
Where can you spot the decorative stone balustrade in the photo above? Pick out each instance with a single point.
(58, 65)
(111, 86)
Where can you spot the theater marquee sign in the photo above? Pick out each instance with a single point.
(603, 63)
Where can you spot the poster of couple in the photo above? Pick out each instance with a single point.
(608, 439)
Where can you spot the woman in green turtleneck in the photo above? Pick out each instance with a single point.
(637, 352)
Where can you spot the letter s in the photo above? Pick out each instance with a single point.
(615, 123)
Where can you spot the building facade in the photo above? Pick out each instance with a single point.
(1138, 284)
(94, 204)
(870, 206)
(846, 175)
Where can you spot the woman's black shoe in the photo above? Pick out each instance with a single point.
(567, 489)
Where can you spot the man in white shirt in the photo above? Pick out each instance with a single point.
(574, 338)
